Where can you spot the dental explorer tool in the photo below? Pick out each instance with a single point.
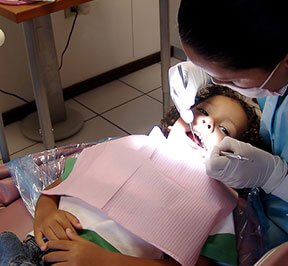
(233, 155)
(191, 129)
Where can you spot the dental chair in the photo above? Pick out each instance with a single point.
(16, 212)
(3, 142)
(17, 202)
(14, 216)
(16, 207)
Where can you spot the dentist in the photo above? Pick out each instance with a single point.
(242, 44)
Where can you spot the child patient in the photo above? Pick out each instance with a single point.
(218, 112)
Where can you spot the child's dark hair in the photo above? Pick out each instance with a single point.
(251, 135)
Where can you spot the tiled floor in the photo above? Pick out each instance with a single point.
(130, 105)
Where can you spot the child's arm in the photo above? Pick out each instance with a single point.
(79, 251)
(50, 222)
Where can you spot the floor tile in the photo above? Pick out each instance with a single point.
(37, 147)
(93, 130)
(19, 145)
(138, 116)
(146, 79)
(157, 94)
(107, 96)
(15, 139)
(85, 112)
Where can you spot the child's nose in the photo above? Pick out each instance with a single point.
(208, 123)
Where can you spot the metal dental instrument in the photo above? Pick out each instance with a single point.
(233, 155)
(183, 77)
(191, 129)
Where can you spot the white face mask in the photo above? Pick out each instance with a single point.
(255, 92)
(258, 92)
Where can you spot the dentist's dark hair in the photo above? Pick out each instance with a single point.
(238, 34)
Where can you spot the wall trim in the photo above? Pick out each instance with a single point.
(20, 112)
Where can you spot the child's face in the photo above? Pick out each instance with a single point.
(214, 118)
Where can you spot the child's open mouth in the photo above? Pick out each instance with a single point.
(196, 138)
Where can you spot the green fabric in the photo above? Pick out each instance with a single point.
(69, 164)
(95, 238)
(222, 248)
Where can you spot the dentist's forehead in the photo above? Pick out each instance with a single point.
(215, 70)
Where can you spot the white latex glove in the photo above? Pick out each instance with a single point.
(185, 80)
(261, 170)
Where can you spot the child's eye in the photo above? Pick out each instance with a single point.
(224, 130)
(202, 111)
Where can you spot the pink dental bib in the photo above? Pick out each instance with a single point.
(152, 189)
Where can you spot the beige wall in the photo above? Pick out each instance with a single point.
(114, 33)
(174, 37)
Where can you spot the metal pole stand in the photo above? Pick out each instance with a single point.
(165, 53)
(54, 123)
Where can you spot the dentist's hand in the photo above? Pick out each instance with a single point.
(185, 80)
(261, 170)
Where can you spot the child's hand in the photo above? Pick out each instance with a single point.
(52, 224)
(77, 251)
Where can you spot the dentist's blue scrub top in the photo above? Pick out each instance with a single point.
(274, 123)
(273, 211)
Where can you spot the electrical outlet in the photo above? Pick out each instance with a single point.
(70, 12)
(82, 9)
